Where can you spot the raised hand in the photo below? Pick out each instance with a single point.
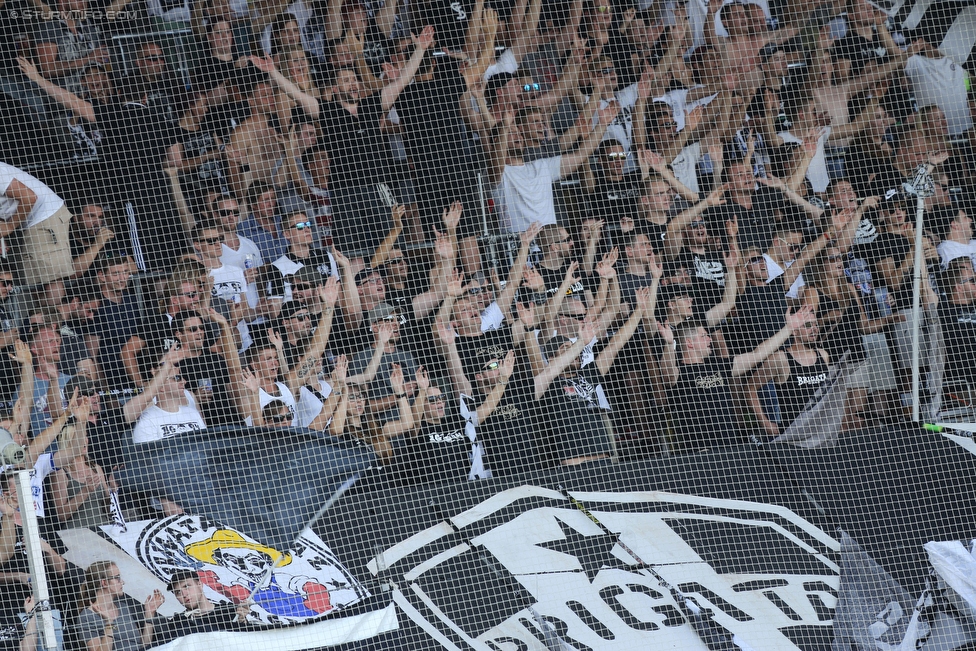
(341, 261)
(264, 65)
(443, 246)
(153, 602)
(643, 296)
(452, 216)
(396, 214)
(506, 367)
(250, 381)
(275, 338)
(529, 234)
(22, 354)
(608, 114)
(526, 314)
(446, 333)
(396, 379)
(717, 196)
(426, 38)
(329, 292)
(798, 318)
(732, 259)
(666, 333)
(656, 268)
(571, 273)
(605, 268)
(423, 382)
(652, 160)
(455, 286)
(384, 331)
(588, 329)
(340, 371)
(771, 181)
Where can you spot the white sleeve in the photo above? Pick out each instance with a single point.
(627, 97)
(492, 318)
(552, 165)
(469, 415)
(505, 63)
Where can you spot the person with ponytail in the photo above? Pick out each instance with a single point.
(110, 620)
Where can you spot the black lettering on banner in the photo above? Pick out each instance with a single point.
(672, 616)
(780, 603)
(717, 601)
(609, 595)
(591, 620)
(519, 645)
(561, 630)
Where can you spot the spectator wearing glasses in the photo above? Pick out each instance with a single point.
(263, 226)
(237, 250)
(110, 620)
(296, 327)
(174, 411)
(300, 253)
(384, 403)
(229, 283)
(213, 378)
(88, 235)
(155, 83)
(155, 335)
(355, 422)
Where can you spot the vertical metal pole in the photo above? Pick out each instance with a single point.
(917, 306)
(35, 559)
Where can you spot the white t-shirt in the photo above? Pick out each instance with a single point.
(229, 283)
(47, 202)
(286, 396)
(677, 99)
(524, 194)
(774, 271)
(949, 251)
(309, 405)
(817, 172)
(43, 467)
(156, 424)
(943, 83)
(685, 165)
(245, 257)
(622, 127)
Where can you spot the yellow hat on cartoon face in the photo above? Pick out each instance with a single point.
(227, 539)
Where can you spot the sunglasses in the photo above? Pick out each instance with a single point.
(617, 155)
(226, 212)
(756, 259)
(7, 283)
(968, 281)
(574, 317)
(492, 366)
(211, 240)
(393, 318)
(698, 224)
(190, 294)
(603, 9)
(528, 88)
(607, 71)
(435, 399)
(834, 258)
(474, 291)
(304, 316)
(300, 226)
(192, 328)
(281, 417)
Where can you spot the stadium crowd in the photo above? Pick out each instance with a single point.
(478, 239)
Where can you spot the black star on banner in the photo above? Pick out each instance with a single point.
(593, 552)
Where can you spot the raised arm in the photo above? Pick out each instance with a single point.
(607, 356)
(301, 372)
(715, 315)
(60, 95)
(775, 368)
(569, 163)
(384, 332)
(25, 391)
(507, 295)
(308, 103)
(383, 250)
(352, 307)
(494, 396)
(674, 237)
(455, 369)
(392, 91)
(744, 363)
(556, 366)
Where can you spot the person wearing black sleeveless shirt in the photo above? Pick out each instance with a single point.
(797, 371)
(698, 384)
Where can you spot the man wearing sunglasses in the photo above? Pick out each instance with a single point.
(208, 374)
(301, 252)
(229, 283)
(382, 400)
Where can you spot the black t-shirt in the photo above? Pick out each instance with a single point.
(221, 618)
(571, 410)
(212, 72)
(494, 343)
(708, 276)
(701, 404)
(209, 173)
(513, 445)
(554, 278)
(438, 452)
(800, 386)
(434, 130)
(449, 19)
(114, 324)
(109, 437)
(843, 335)
(958, 333)
(157, 331)
(208, 378)
(358, 152)
(613, 199)
(761, 314)
(859, 50)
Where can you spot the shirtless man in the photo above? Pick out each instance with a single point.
(254, 147)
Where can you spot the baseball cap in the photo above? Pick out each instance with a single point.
(308, 275)
(85, 386)
(291, 308)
